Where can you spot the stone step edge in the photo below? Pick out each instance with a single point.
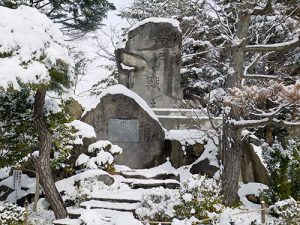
(164, 176)
(114, 200)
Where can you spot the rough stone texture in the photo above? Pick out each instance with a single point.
(252, 168)
(145, 153)
(106, 179)
(204, 168)
(74, 109)
(152, 61)
(180, 158)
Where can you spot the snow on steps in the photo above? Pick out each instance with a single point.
(137, 175)
(107, 213)
(151, 183)
(120, 206)
(67, 221)
(129, 195)
(126, 201)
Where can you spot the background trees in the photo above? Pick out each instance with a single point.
(241, 58)
(76, 17)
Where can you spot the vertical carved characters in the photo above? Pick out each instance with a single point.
(153, 50)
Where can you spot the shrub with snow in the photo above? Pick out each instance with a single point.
(102, 156)
(11, 214)
(200, 197)
(158, 204)
(287, 212)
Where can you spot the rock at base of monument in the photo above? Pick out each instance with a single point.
(204, 168)
(252, 168)
(180, 157)
(253, 198)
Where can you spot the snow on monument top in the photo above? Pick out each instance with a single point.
(173, 22)
(30, 45)
(122, 90)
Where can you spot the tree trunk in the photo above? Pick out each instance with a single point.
(43, 162)
(231, 159)
(231, 138)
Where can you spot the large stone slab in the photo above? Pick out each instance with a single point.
(149, 62)
(123, 118)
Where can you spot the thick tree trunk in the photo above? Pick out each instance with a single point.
(231, 139)
(43, 163)
(231, 159)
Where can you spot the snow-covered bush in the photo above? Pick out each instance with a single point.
(158, 204)
(287, 212)
(102, 156)
(11, 214)
(78, 188)
(200, 197)
(283, 162)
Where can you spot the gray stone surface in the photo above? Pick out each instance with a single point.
(178, 157)
(204, 168)
(142, 152)
(252, 168)
(150, 63)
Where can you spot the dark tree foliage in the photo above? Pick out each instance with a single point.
(77, 17)
(17, 137)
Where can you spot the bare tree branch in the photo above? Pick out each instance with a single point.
(274, 47)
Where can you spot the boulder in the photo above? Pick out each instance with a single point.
(204, 168)
(124, 119)
(252, 169)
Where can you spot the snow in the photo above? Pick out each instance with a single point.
(105, 152)
(103, 145)
(125, 67)
(258, 151)
(122, 90)
(187, 197)
(4, 172)
(250, 188)
(173, 22)
(186, 137)
(151, 181)
(210, 152)
(109, 205)
(31, 44)
(82, 160)
(165, 168)
(273, 46)
(84, 130)
(27, 183)
(85, 179)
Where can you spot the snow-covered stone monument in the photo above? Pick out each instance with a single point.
(124, 118)
(149, 61)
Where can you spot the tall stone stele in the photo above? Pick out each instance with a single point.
(149, 62)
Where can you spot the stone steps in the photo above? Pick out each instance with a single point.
(108, 204)
(151, 183)
(67, 221)
(129, 196)
(120, 206)
(107, 213)
(136, 175)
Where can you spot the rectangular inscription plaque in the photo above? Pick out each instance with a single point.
(121, 130)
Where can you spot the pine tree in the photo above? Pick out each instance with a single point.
(76, 17)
